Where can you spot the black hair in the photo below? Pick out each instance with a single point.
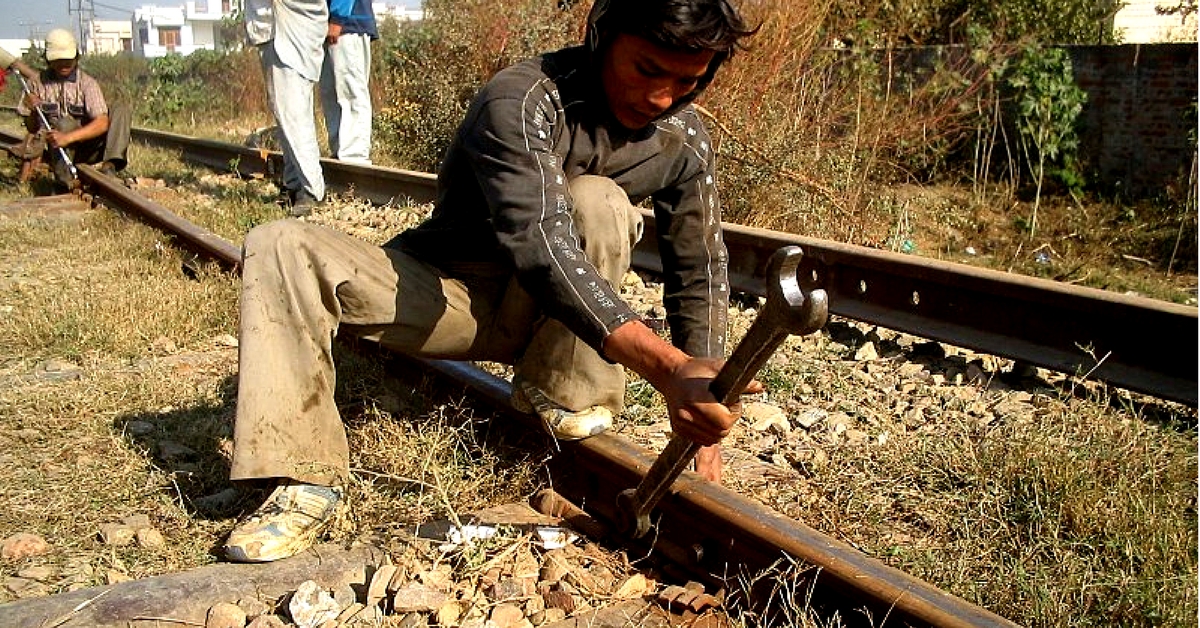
(691, 25)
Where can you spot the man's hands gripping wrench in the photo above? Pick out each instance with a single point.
(788, 310)
(62, 153)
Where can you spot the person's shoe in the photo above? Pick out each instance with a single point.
(560, 422)
(107, 169)
(302, 204)
(285, 525)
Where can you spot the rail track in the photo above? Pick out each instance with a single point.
(1074, 330)
(711, 532)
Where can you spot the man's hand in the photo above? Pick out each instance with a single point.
(332, 34)
(683, 381)
(708, 463)
(60, 139)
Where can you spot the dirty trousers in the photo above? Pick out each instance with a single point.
(302, 284)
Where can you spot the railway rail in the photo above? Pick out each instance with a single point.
(1115, 338)
(711, 532)
(1070, 329)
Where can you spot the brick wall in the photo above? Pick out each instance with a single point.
(1138, 128)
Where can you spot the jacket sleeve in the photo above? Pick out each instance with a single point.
(512, 148)
(695, 261)
(340, 10)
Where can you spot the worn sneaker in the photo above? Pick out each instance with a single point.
(560, 422)
(285, 525)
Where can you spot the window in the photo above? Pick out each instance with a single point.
(169, 37)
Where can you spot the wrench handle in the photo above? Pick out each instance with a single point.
(62, 153)
(750, 355)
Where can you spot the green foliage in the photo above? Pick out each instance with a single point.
(932, 22)
(1048, 104)
(428, 72)
(223, 85)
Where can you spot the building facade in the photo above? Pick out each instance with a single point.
(1147, 22)
(160, 31)
(109, 36)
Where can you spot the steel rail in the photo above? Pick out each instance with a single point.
(1132, 342)
(707, 529)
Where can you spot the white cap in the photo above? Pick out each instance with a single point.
(60, 44)
(6, 59)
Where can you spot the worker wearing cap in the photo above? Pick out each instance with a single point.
(290, 36)
(80, 119)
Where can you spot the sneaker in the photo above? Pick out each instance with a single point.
(302, 203)
(560, 422)
(285, 525)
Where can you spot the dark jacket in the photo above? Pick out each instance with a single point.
(503, 198)
(355, 16)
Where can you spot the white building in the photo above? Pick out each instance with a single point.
(1140, 22)
(20, 46)
(401, 13)
(179, 29)
(109, 36)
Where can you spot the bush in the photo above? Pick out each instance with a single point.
(427, 72)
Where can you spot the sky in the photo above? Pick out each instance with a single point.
(19, 17)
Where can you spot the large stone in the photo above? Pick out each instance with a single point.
(116, 534)
(809, 417)
(225, 615)
(23, 545)
(37, 572)
(418, 598)
(267, 621)
(507, 615)
(766, 417)
(150, 538)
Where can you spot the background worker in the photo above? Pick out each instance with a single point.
(81, 120)
(289, 35)
(532, 229)
(345, 79)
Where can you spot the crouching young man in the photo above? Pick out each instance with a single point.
(532, 229)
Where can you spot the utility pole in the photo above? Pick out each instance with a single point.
(85, 10)
(37, 30)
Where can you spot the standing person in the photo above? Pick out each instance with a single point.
(532, 229)
(81, 120)
(345, 79)
(289, 35)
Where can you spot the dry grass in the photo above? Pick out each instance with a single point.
(139, 360)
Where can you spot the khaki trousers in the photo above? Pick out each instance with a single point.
(302, 284)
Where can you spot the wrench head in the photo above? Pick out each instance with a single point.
(792, 309)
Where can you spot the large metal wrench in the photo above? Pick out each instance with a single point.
(62, 153)
(788, 310)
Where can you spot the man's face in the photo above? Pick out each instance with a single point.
(642, 80)
(62, 67)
